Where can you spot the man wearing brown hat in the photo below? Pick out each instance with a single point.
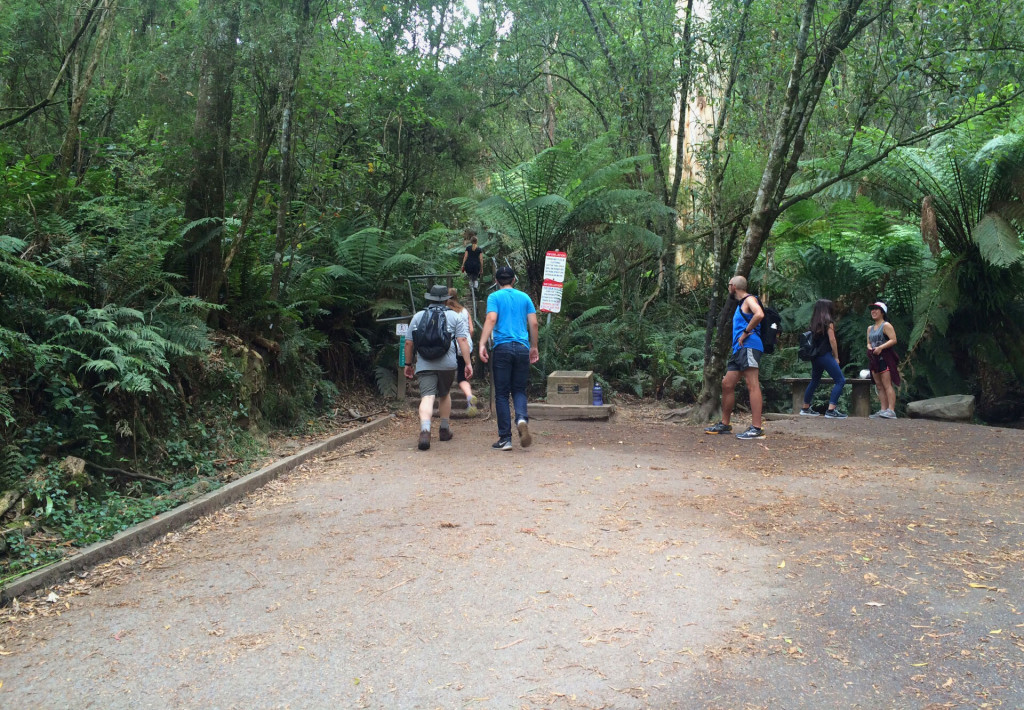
(430, 329)
(512, 319)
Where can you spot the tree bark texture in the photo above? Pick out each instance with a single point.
(211, 137)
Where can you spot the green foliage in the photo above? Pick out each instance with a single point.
(402, 115)
(115, 348)
(564, 194)
(967, 185)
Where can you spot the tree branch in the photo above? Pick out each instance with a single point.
(60, 73)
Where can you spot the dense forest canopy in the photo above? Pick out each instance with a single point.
(207, 207)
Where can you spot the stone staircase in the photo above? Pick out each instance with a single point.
(458, 399)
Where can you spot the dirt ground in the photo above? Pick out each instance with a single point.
(636, 563)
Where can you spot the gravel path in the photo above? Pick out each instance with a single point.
(631, 564)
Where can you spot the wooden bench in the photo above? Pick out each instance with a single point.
(860, 394)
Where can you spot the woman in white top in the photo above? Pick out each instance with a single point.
(464, 385)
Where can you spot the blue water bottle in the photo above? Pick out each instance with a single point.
(598, 395)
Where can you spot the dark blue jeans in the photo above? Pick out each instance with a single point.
(825, 363)
(511, 376)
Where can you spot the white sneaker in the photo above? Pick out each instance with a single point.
(887, 414)
(524, 433)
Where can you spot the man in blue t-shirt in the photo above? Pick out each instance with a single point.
(746, 360)
(512, 319)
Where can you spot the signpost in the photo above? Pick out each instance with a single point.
(554, 277)
(554, 266)
(550, 297)
(402, 331)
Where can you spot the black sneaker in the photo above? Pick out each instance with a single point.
(444, 434)
(719, 429)
(834, 414)
(424, 443)
(524, 433)
(505, 444)
(752, 433)
(809, 413)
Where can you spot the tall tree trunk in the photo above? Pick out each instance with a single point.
(69, 148)
(682, 103)
(801, 98)
(286, 168)
(717, 333)
(618, 82)
(211, 138)
(549, 93)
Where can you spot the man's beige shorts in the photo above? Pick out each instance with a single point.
(435, 382)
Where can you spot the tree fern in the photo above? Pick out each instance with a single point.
(936, 306)
(547, 202)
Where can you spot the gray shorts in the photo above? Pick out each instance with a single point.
(743, 359)
(435, 382)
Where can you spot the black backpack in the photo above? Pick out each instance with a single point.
(806, 351)
(769, 327)
(433, 337)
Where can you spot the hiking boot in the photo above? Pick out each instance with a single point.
(444, 434)
(504, 443)
(719, 428)
(752, 433)
(471, 406)
(808, 413)
(424, 440)
(524, 433)
(887, 414)
(834, 414)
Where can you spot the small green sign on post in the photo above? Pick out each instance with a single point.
(402, 331)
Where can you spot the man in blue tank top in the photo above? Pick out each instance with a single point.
(746, 360)
(512, 319)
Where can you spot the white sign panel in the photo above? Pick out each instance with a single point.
(551, 297)
(554, 266)
(402, 329)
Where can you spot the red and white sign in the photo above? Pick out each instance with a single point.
(550, 297)
(554, 267)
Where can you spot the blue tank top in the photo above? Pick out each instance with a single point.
(740, 321)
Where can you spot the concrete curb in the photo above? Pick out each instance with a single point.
(150, 530)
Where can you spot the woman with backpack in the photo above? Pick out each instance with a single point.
(467, 389)
(824, 358)
(883, 361)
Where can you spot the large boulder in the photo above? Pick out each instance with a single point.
(954, 408)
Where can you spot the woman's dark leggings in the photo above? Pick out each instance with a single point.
(825, 363)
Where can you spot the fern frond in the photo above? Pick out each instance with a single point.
(998, 240)
(936, 305)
